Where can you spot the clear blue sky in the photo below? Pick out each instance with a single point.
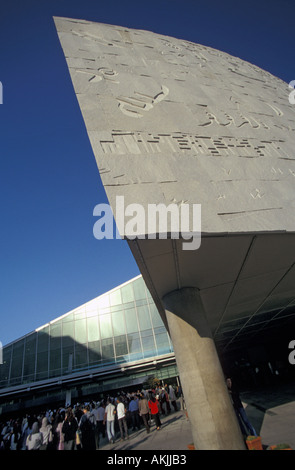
(49, 182)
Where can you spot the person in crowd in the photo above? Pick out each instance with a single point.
(46, 431)
(101, 425)
(172, 397)
(95, 413)
(144, 411)
(162, 400)
(15, 440)
(69, 430)
(245, 425)
(109, 419)
(34, 439)
(59, 436)
(121, 410)
(180, 396)
(154, 409)
(87, 428)
(25, 431)
(168, 407)
(133, 408)
(57, 429)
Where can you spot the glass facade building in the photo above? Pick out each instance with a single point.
(118, 328)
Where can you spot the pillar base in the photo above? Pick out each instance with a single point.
(213, 419)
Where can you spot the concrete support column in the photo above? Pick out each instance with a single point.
(213, 419)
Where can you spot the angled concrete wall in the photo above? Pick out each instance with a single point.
(173, 121)
(179, 123)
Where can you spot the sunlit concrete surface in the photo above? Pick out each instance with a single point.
(175, 122)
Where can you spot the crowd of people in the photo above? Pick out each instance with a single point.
(84, 426)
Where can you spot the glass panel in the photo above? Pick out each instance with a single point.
(17, 359)
(115, 297)
(131, 320)
(117, 308)
(18, 348)
(68, 334)
(146, 333)
(163, 343)
(42, 365)
(94, 352)
(30, 346)
(42, 354)
(79, 314)
(144, 318)
(105, 326)
(43, 336)
(148, 345)
(68, 317)
(30, 356)
(55, 363)
(156, 318)
(148, 294)
(91, 308)
(4, 368)
(80, 331)
(121, 345)
(118, 321)
(141, 302)
(80, 356)
(103, 302)
(67, 359)
(107, 348)
(127, 293)
(134, 344)
(55, 335)
(55, 329)
(93, 329)
(103, 311)
(128, 305)
(139, 289)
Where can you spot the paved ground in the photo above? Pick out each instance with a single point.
(175, 434)
(271, 411)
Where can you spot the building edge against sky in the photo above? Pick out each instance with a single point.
(217, 129)
(114, 341)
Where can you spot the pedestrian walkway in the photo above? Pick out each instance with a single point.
(271, 410)
(175, 434)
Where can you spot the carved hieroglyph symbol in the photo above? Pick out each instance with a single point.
(138, 105)
(257, 194)
(102, 72)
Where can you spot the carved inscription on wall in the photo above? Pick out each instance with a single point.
(184, 122)
(139, 142)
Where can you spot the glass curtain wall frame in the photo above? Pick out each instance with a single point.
(122, 325)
